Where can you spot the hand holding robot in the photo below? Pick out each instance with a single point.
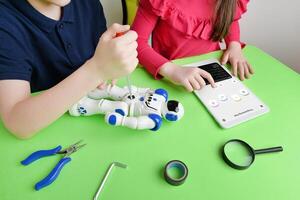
(144, 109)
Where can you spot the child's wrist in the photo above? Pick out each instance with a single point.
(166, 69)
(235, 44)
(92, 69)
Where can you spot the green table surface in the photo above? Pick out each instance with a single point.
(195, 140)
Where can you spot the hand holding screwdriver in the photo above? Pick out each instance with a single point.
(128, 79)
(115, 57)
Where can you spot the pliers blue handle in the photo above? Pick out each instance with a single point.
(56, 170)
(40, 154)
(53, 174)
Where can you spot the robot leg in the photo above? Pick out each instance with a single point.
(85, 106)
(108, 106)
(151, 121)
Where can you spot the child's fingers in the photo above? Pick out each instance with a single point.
(187, 85)
(110, 33)
(114, 81)
(250, 68)
(131, 49)
(130, 55)
(208, 76)
(195, 84)
(247, 73)
(134, 61)
(132, 46)
(234, 65)
(130, 64)
(127, 38)
(225, 58)
(200, 80)
(241, 71)
(102, 85)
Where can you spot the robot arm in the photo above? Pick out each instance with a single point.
(114, 92)
(151, 121)
(111, 91)
(138, 90)
(96, 103)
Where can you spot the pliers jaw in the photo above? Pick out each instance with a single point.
(72, 148)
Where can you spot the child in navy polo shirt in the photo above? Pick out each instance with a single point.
(54, 45)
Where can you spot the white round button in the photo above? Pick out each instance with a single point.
(213, 103)
(236, 97)
(244, 92)
(222, 97)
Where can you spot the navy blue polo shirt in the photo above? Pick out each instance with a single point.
(44, 51)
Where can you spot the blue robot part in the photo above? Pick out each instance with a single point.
(82, 110)
(157, 120)
(112, 120)
(120, 111)
(171, 117)
(163, 93)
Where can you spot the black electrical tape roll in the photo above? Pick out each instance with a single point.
(179, 165)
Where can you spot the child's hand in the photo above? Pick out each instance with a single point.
(239, 64)
(189, 77)
(115, 57)
(103, 85)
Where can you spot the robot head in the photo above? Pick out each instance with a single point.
(172, 110)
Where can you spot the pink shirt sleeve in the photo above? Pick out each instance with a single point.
(144, 24)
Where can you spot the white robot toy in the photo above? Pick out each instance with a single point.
(144, 109)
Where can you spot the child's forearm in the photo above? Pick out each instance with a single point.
(24, 115)
(36, 112)
(144, 25)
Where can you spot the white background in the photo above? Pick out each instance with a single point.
(274, 26)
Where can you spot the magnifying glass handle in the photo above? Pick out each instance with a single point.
(268, 150)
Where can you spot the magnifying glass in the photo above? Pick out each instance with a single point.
(240, 155)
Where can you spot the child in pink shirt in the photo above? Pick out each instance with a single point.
(182, 28)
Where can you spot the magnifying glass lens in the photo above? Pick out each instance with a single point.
(239, 153)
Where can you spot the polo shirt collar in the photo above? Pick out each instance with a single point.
(45, 23)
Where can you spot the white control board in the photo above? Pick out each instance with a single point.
(230, 103)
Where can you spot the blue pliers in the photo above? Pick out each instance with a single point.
(55, 172)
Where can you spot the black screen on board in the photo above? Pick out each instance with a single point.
(216, 71)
